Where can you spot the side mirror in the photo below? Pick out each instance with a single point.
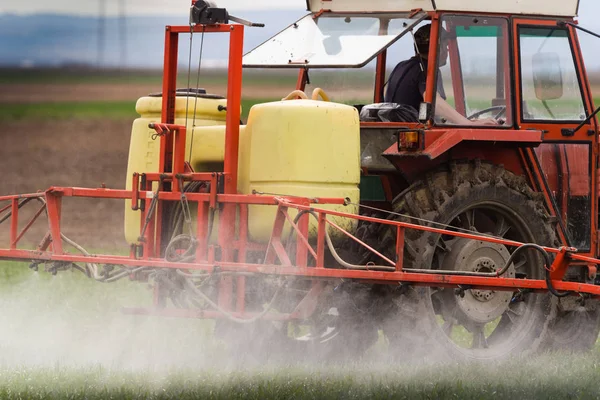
(547, 76)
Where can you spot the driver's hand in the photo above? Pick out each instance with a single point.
(486, 121)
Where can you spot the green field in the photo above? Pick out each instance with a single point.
(89, 109)
(67, 339)
(95, 109)
(549, 377)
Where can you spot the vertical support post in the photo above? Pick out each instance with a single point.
(179, 155)
(232, 137)
(202, 231)
(302, 79)
(149, 243)
(321, 240)
(14, 223)
(399, 248)
(432, 65)
(53, 204)
(234, 99)
(380, 77)
(275, 248)
(301, 249)
(168, 97)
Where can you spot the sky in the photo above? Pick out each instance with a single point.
(588, 8)
(137, 7)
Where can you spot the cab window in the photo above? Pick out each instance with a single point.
(550, 86)
(474, 69)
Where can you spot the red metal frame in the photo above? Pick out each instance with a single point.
(153, 190)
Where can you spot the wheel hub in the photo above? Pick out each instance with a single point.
(475, 307)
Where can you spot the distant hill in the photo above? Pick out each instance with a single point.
(55, 40)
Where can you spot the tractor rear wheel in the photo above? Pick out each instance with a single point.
(469, 323)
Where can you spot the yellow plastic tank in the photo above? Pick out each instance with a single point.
(144, 152)
(301, 148)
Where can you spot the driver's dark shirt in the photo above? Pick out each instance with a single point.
(408, 81)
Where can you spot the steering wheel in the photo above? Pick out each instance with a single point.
(501, 111)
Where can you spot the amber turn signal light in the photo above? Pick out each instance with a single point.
(409, 140)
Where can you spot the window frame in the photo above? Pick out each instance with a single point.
(578, 71)
(509, 67)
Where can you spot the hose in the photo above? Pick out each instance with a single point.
(496, 274)
(337, 257)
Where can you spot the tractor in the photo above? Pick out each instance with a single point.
(322, 226)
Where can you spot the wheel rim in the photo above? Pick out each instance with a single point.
(477, 323)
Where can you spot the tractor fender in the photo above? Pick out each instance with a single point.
(440, 147)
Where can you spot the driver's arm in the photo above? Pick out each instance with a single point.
(446, 111)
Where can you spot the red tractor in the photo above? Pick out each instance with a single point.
(319, 224)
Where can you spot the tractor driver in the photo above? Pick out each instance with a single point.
(408, 81)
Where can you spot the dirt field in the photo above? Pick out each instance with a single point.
(86, 153)
(40, 153)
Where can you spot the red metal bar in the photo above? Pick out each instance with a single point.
(20, 196)
(275, 234)
(489, 239)
(53, 204)
(213, 190)
(457, 76)
(322, 225)
(168, 94)
(14, 223)
(135, 192)
(302, 79)
(303, 239)
(98, 193)
(149, 235)
(380, 77)
(31, 222)
(432, 65)
(232, 132)
(559, 267)
(234, 99)
(302, 246)
(399, 248)
(202, 234)
(509, 284)
(357, 240)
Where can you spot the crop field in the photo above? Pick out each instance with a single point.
(65, 336)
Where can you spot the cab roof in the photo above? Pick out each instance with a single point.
(555, 8)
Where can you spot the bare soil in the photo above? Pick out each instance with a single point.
(49, 92)
(86, 153)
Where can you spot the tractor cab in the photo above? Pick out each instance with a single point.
(505, 83)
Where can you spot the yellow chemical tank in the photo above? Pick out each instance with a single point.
(299, 147)
(144, 152)
(302, 148)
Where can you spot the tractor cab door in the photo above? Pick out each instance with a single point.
(552, 95)
(473, 75)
